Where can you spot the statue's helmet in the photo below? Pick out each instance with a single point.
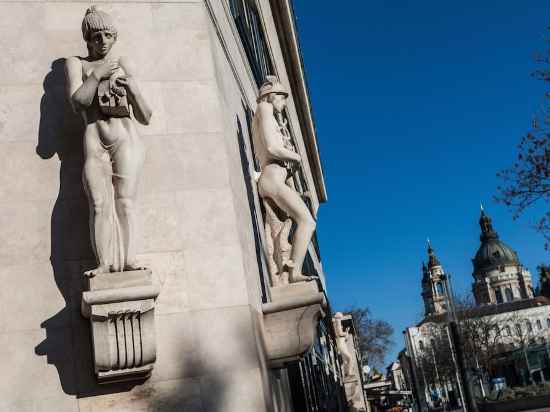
(96, 20)
(272, 85)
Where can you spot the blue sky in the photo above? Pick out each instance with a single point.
(417, 106)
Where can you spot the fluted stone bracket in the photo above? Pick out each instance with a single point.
(290, 321)
(121, 309)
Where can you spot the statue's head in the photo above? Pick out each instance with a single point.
(273, 92)
(338, 315)
(98, 31)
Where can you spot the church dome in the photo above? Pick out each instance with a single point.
(492, 251)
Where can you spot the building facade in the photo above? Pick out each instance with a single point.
(507, 319)
(200, 219)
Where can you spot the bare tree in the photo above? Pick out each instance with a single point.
(435, 362)
(482, 335)
(527, 181)
(374, 335)
(436, 357)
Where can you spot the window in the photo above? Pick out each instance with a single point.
(529, 327)
(249, 24)
(439, 288)
(539, 324)
(507, 331)
(509, 295)
(522, 293)
(498, 295)
(421, 345)
(518, 330)
(548, 323)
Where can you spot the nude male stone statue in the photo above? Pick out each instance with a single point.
(278, 159)
(341, 342)
(103, 88)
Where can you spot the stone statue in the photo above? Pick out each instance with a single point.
(341, 342)
(103, 89)
(283, 204)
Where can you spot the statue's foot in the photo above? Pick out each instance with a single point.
(97, 271)
(133, 266)
(288, 265)
(284, 278)
(301, 278)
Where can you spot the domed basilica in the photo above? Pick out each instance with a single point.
(505, 305)
(498, 274)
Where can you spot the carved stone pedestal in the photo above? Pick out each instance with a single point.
(121, 308)
(290, 321)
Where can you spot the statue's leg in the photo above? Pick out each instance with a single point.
(347, 362)
(291, 202)
(95, 186)
(127, 164)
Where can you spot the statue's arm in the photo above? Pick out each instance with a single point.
(142, 110)
(273, 143)
(81, 93)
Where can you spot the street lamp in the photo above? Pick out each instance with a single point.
(466, 395)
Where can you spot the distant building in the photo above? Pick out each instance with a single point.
(504, 296)
(395, 375)
(498, 274)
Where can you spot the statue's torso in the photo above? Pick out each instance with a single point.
(260, 141)
(109, 130)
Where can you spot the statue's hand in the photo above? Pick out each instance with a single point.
(106, 70)
(128, 82)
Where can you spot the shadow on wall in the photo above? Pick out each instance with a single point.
(247, 168)
(68, 343)
(221, 385)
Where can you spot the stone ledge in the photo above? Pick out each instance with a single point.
(290, 322)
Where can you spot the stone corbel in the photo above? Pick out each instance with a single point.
(290, 321)
(121, 308)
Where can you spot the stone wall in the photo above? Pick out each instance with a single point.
(195, 227)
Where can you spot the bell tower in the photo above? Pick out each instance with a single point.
(433, 285)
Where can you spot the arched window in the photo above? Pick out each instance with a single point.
(507, 331)
(509, 295)
(439, 288)
(529, 327)
(539, 324)
(548, 323)
(518, 329)
(421, 345)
